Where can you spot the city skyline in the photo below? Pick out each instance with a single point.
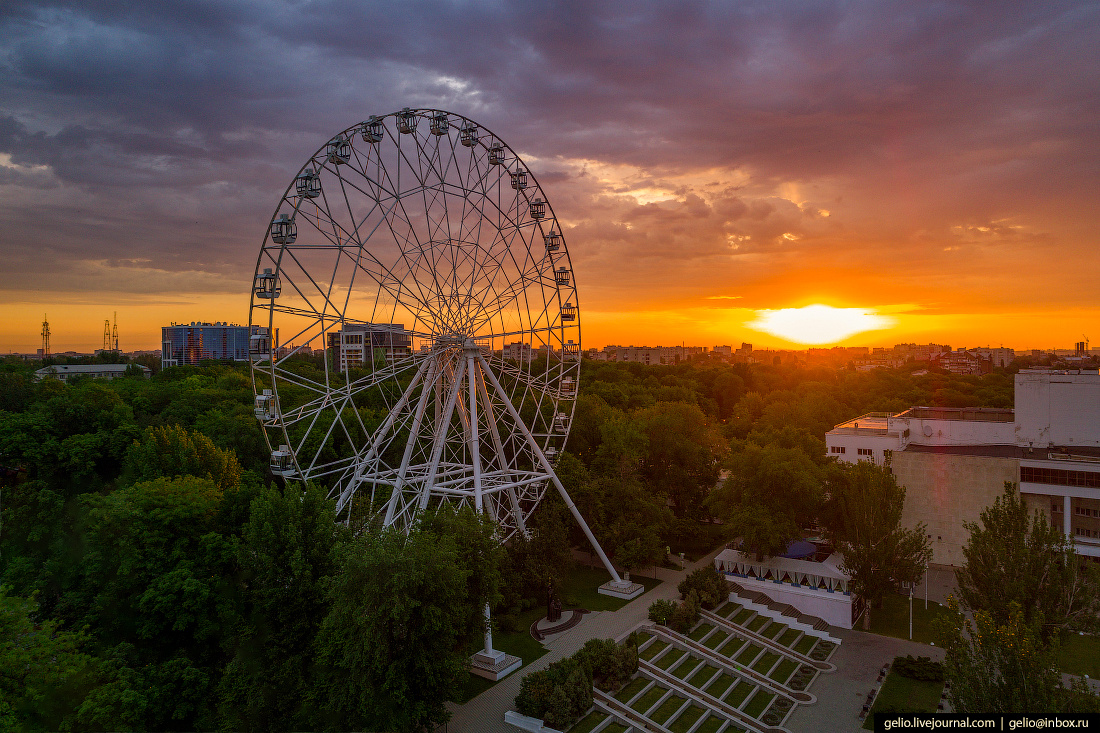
(930, 171)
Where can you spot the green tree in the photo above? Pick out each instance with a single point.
(406, 611)
(770, 494)
(176, 451)
(286, 553)
(1013, 558)
(157, 590)
(1005, 667)
(683, 454)
(44, 670)
(863, 516)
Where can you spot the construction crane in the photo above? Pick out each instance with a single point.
(45, 337)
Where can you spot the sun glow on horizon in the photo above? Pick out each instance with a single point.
(818, 324)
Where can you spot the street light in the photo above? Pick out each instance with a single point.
(911, 613)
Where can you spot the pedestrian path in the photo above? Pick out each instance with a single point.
(485, 713)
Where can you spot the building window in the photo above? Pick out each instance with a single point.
(865, 451)
(1060, 477)
(836, 449)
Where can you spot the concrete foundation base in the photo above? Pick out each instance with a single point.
(621, 589)
(494, 665)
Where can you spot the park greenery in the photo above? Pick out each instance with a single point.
(863, 517)
(1021, 588)
(1013, 558)
(173, 584)
(562, 692)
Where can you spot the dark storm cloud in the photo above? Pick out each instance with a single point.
(169, 129)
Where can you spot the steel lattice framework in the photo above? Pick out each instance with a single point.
(415, 335)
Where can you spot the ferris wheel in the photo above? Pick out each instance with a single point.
(414, 325)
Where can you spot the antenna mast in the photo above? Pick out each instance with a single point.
(106, 334)
(114, 331)
(45, 337)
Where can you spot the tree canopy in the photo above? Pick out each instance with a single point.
(1017, 561)
(863, 516)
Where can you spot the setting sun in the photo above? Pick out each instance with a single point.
(818, 324)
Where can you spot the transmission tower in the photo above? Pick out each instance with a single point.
(106, 334)
(45, 337)
(114, 331)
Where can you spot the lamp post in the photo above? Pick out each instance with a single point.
(910, 613)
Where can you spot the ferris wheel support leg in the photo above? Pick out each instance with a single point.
(382, 433)
(549, 470)
(441, 436)
(414, 433)
(502, 459)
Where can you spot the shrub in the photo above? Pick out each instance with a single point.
(708, 584)
(562, 692)
(661, 611)
(686, 614)
(921, 668)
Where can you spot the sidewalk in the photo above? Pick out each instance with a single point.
(485, 713)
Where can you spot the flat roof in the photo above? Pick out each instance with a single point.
(987, 451)
(982, 414)
(85, 368)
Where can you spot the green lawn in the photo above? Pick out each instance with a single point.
(615, 728)
(588, 722)
(519, 644)
(653, 649)
(727, 609)
(766, 662)
(757, 622)
(582, 586)
(631, 689)
(715, 640)
(743, 616)
(805, 644)
(719, 685)
(668, 707)
(685, 667)
(749, 654)
(783, 671)
(700, 631)
(788, 638)
(1079, 655)
(773, 629)
(730, 647)
(701, 677)
(759, 703)
(669, 659)
(712, 724)
(685, 720)
(902, 692)
(893, 618)
(647, 700)
(739, 693)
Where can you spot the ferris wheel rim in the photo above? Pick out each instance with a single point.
(272, 369)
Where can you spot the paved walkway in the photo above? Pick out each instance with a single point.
(840, 694)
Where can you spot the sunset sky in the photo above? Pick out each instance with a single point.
(931, 168)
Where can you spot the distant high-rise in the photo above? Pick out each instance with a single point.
(191, 343)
